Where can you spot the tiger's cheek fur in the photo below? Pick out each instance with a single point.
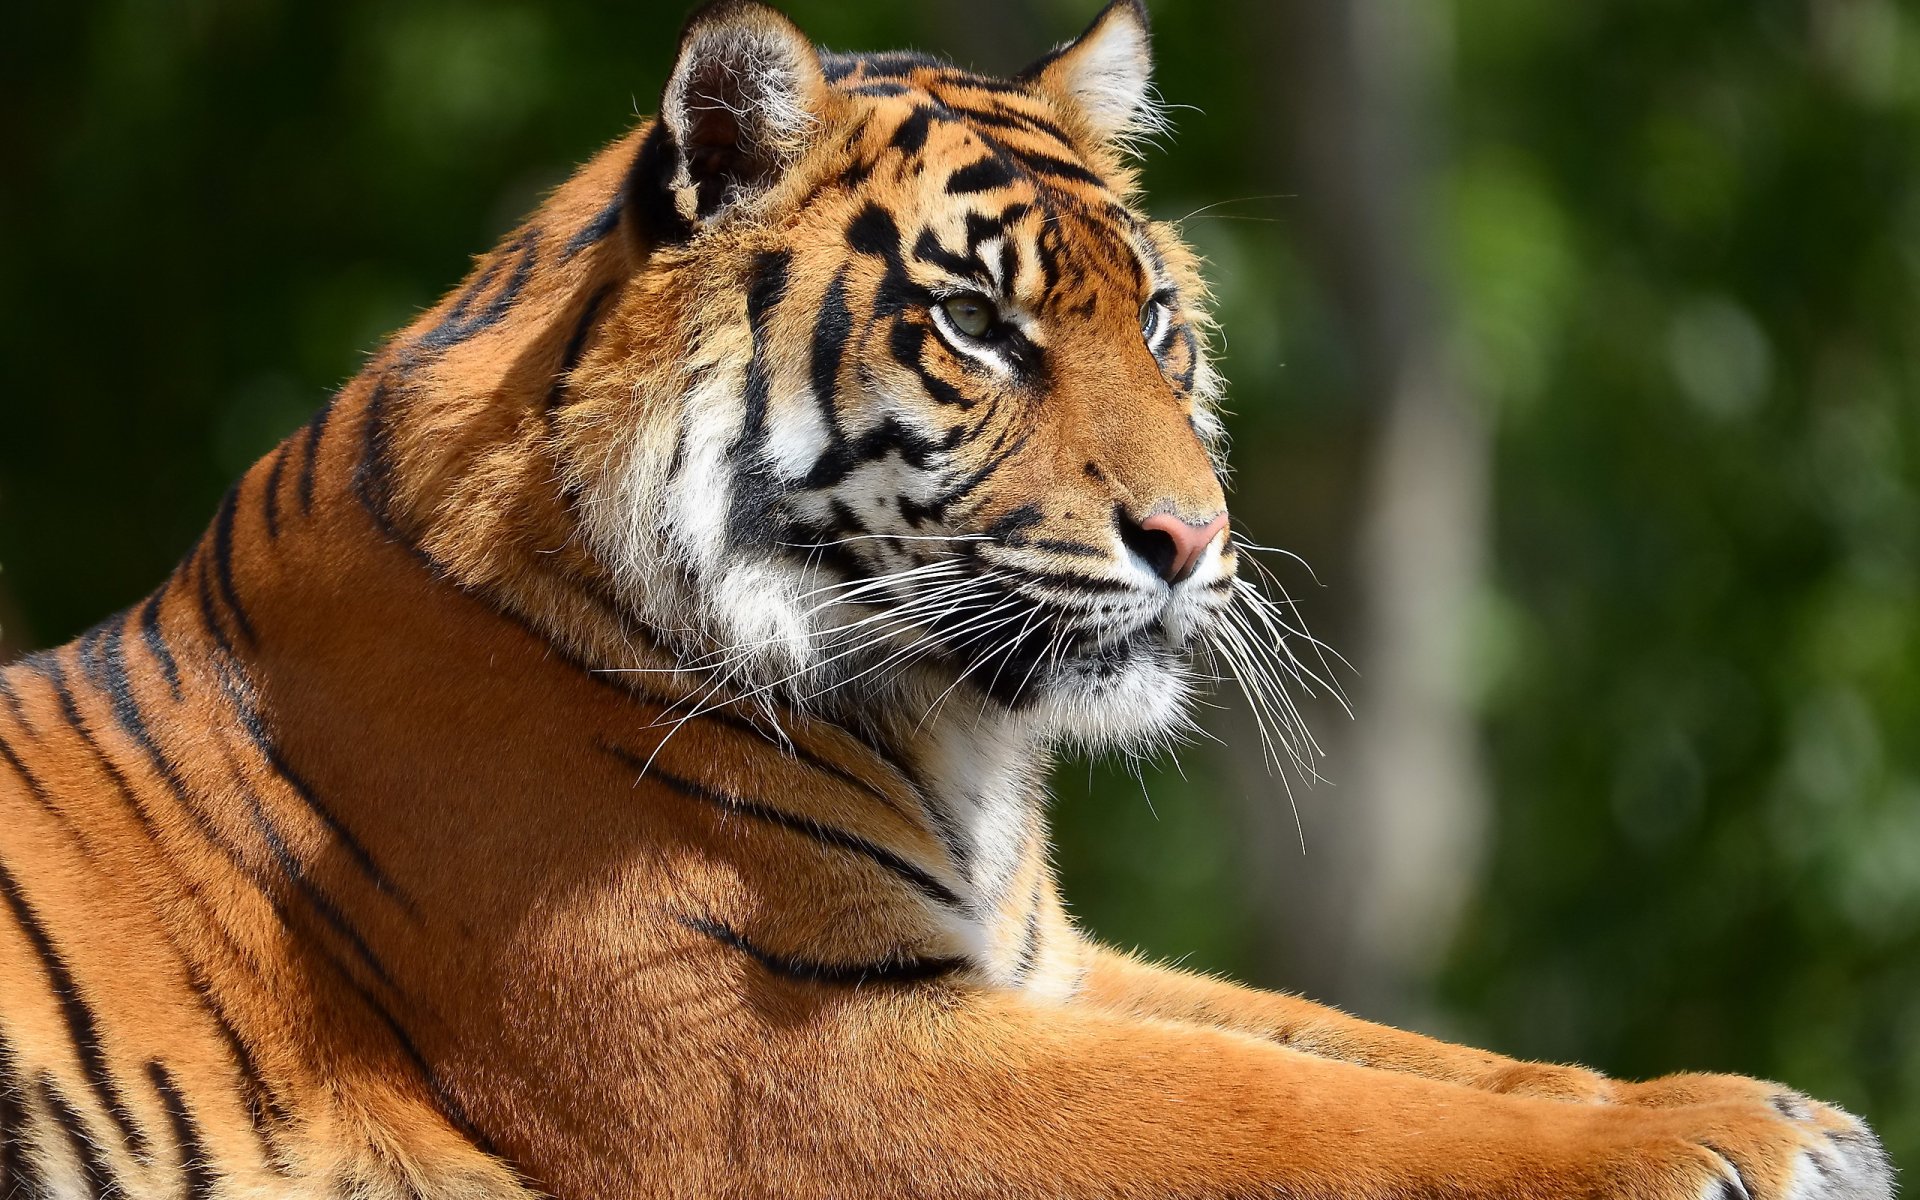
(656, 479)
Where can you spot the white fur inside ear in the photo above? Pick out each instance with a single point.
(752, 77)
(1108, 76)
(739, 105)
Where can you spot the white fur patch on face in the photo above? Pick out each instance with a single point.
(696, 521)
(797, 436)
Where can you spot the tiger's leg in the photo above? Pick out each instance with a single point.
(1119, 983)
(928, 1091)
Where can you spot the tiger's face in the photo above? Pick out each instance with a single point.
(944, 423)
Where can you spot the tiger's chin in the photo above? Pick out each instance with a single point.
(1134, 697)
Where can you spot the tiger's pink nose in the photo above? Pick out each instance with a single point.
(1170, 546)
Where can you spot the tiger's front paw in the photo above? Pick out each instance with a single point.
(1850, 1165)
(1761, 1141)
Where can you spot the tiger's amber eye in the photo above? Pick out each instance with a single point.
(971, 315)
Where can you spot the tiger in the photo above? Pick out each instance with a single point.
(603, 753)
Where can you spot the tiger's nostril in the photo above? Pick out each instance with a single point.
(1153, 547)
(1170, 546)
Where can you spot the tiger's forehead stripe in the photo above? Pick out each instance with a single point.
(998, 144)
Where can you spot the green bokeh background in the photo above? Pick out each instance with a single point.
(1679, 244)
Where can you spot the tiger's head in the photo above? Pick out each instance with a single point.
(909, 402)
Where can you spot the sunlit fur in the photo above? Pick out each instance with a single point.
(603, 753)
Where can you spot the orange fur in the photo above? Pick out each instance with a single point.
(372, 856)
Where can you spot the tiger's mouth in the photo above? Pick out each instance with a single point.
(1098, 657)
(1091, 662)
(1049, 651)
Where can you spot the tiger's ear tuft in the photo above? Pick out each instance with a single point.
(1106, 75)
(745, 94)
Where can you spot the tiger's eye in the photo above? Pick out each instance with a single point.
(971, 315)
(1154, 315)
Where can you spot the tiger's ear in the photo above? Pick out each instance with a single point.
(1106, 74)
(740, 106)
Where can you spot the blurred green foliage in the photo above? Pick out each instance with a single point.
(1684, 244)
(1688, 240)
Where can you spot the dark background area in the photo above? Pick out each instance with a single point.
(1573, 344)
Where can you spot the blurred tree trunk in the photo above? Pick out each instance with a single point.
(1394, 846)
